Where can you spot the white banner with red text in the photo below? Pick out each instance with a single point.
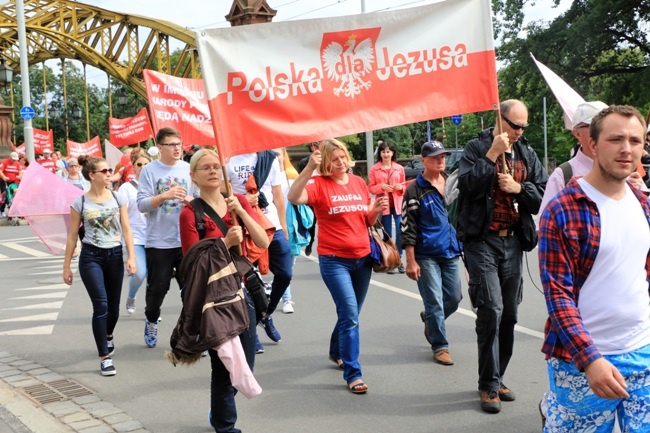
(182, 104)
(280, 84)
(91, 148)
(130, 130)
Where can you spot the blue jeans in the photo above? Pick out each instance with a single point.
(495, 289)
(387, 222)
(287, 293)
(136, 280)
(281, 264)
(102, 271)
(348, 281)
(439, 286)
(222, 393)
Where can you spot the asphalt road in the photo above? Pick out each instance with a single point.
(43, 321)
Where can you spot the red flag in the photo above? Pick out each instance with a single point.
(42, 140)
(92, 147)
(280, 84)
(181, 104)
(130, 130)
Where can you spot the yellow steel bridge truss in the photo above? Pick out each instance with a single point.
(119, 44)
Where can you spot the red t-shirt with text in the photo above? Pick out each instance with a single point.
(341, 212)
(11, 169)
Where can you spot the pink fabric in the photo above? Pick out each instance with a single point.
(232, 355)
(44, 199)
(379, 176)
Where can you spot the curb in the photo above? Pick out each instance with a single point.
(69, 414)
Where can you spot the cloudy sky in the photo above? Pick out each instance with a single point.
(203, 14)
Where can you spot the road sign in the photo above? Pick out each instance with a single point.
(457, 119)
(27, 113)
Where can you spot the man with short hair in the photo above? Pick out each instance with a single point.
(595, 266)
(164, 188)
(432, 249)
(501, 182)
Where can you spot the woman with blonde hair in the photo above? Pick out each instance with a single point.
(206, 173)
(343, 208)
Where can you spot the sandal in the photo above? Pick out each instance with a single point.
(338, 362)
(358, 387)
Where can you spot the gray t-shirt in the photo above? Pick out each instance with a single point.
(163, 222)
(101, 220)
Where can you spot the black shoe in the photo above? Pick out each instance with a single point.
(107, 367)
(401, 269)
(308, 250)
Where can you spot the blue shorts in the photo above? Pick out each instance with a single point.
(573, 407)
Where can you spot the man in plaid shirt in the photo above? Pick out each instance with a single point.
(595, 265)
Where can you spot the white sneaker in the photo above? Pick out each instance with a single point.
(130, 305)
(287, 307)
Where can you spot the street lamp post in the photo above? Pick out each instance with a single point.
(75, 112)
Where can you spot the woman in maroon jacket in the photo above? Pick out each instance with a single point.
(206, 173)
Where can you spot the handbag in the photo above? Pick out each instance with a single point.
(383, 249)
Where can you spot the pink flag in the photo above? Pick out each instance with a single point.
(44, 200)
(566, 96)
(280, 84)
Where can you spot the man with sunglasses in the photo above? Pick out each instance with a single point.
(498, 197)
(164, 188)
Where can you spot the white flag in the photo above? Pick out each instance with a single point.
(566, 96)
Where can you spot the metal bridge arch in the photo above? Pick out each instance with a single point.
(121, 45)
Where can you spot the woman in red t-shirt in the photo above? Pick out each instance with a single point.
(206, 173)
(341, 203)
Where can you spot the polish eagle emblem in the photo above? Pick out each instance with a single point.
(349, 65)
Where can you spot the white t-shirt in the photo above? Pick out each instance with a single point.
(137, 219)
(614, 301)
(102, 223)
(238, 170)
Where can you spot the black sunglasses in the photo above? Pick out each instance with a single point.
(141, 164)
(104, 171)
(514, 125)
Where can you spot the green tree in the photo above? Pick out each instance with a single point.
(599, 47)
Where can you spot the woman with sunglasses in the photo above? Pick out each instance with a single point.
(206, 173)
(105, 220)
(138, 222)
